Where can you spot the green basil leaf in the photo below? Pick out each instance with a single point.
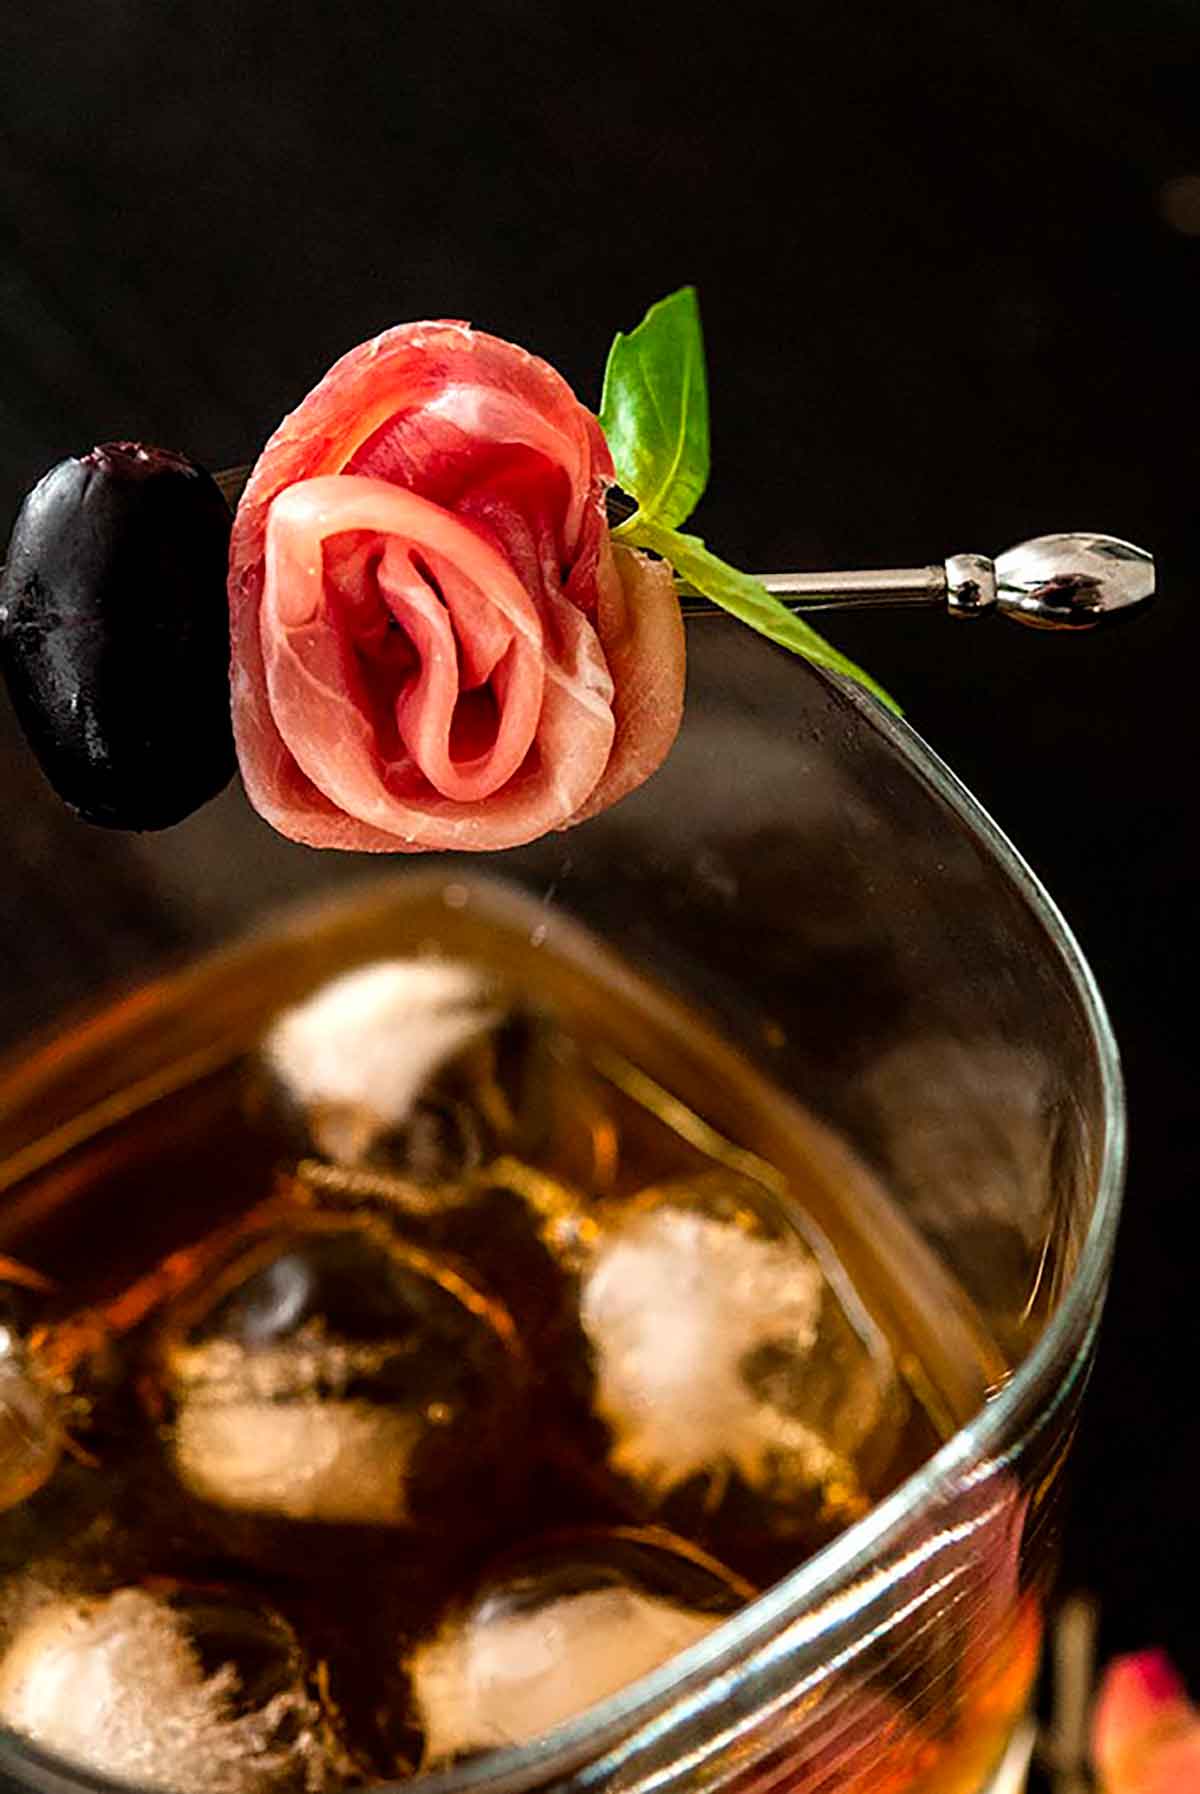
(654, 409)
(744, 597)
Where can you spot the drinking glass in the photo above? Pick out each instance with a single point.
(807, 875)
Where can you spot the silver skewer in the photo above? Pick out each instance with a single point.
(1071, 581)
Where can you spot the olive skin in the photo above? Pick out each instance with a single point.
(114, 634)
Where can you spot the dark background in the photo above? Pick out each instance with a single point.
(949, 259)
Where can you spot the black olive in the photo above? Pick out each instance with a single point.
(114, 634)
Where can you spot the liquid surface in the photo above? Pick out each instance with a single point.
(432, 1334)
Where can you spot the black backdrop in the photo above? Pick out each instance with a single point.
(949, 258)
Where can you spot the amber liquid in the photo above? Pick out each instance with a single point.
(560, 1127)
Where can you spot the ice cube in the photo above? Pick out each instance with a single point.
(333, 1374)
(552, 1632)
(722, 1351)
(31, 1433)
(188, 1691)
(416, 1065)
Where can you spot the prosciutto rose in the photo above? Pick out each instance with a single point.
(435, 643)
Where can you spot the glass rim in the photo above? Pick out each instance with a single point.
(583, 1740)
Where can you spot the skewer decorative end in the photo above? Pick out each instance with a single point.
(1070, 581)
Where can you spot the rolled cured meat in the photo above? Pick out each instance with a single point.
(435, 643)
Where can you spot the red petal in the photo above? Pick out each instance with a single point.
(1145, 1731)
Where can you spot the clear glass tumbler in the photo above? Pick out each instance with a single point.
(806, 874)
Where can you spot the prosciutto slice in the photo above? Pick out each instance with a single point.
(435, 642)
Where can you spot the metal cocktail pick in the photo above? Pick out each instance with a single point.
(1072, 581)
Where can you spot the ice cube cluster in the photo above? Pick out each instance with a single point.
(495, 1311)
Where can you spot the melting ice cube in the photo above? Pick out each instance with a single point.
(333, 1374)
(720, 1348)
(566, 1625)
(187, 1693)
(414, 1064)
